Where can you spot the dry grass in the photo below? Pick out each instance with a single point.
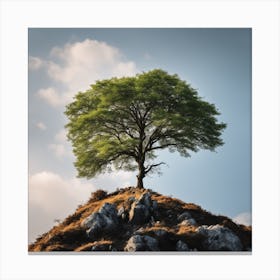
(192, 206)
(154, 228)
(189, 235)
(85, 247)
(186, 229)
(169, 203)
(88, 246)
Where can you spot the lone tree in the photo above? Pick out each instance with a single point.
(122, 122)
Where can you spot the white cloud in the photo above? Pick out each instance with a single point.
(116, 179)
(58, 149)
(75, 66)
(53, 197)
(244, 218)
(61, 136)
(61, 147)
(41, 126)
(51, 96)
(35, 63)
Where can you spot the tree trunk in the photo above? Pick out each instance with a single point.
(140, 184)
(140, 176)
(141, 158)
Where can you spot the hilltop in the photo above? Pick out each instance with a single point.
(133, 219)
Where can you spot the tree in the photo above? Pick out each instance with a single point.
(122, 122)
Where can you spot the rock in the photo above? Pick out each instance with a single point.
(141, 243)
(139, 214)
(219, 238)
(101, 247)
(186, 219)
(131, 199)
(182, 246)
(169, 212)
(105, 220)
(188, 222)
(160, 233)
(139, 231)
(154, 205)
(184, 216)
(146, 200)
(141, 210)
(122, 213)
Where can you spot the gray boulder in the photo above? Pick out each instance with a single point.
(160, 233)
(219, 238)
(131, 199)
(141, 243)
(182, 246)
(184, 216)
(154, 205)
(186, 219)
(105, 220)
(101, 247)
(139, 214)
(141, 210)
(146, 200)
(188, 222)
(122, 213)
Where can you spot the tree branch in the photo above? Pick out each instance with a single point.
(150, 167)
(119, 127)
(161, 147)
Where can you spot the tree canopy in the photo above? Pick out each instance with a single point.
(122, 122)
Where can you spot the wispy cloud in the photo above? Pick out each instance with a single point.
(58, 149)
(61, 136)
(61, 147)
(75, 66)
(35, 63)
(41, 125)
(51, 96)
(244, 218)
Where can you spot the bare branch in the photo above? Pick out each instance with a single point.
(150, 167)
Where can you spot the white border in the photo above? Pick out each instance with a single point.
(262, 16)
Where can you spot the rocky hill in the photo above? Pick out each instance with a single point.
(133, 219)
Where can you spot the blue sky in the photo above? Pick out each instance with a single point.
(217, 62)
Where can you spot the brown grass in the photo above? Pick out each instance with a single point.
(189, 235)
(169, 203)
(158, 227)
(186, 229)
(88, 246)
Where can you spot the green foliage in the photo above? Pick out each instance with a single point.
(121, 122)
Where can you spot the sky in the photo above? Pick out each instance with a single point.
(62, 62)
